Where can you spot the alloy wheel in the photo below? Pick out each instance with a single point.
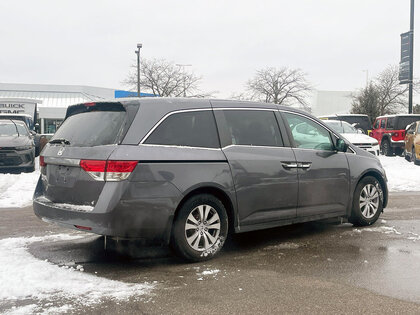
(202, 227)
(369, 201)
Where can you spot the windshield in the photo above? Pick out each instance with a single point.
(341, 126)
(8, 130)
(92, 128)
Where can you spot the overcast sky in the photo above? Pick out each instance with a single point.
(93, 42)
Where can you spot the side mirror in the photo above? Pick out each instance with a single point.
(341, 145)
(360, 130)
(37, 129)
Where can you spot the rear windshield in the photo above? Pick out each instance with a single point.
(8, 129)
(404, 121)
(92, 128)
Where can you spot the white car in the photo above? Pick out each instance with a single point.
(355, 136)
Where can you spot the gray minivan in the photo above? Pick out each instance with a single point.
(187, 172)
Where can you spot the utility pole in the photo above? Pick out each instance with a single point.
(183, 70)
(138, 68)
(367, 76)
(410, 84)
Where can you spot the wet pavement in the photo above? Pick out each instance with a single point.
(305, 268)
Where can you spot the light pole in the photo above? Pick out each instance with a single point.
(183, 70)
(138, 68)
(410, 84)
(367, 76)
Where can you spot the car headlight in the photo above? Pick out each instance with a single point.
(24, 147)
(375, 143)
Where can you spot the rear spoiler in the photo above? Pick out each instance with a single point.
(95, 106)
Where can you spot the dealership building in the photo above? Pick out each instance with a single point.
(52, 100)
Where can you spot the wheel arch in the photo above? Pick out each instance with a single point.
(219, 193)
(379, 177)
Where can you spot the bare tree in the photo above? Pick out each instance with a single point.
(383, 95)
(163, 78)
(280, 86)
(392, 94)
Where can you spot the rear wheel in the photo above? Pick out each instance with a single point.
(200, 228)
(414, 157)
(367, 202)
(386, 147)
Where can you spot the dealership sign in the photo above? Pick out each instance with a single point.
(405, 75)
(18, 106)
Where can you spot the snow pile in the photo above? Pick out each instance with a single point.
(22, 276)
(402, 175)
(16, 190)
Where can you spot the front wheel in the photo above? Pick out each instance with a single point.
(200, 228)
(367, 202)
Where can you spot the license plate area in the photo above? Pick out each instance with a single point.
(62, 175)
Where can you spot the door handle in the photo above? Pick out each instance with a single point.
(304, 165)
(289, 165)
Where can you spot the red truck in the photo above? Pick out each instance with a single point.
(389, 130)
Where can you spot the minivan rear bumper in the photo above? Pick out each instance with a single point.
(149, 219)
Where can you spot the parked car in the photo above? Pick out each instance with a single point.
(188, 171)
(33, 127)
(354, 136)
(17, 148)
(358, 121)
(390, 132)
(412, 143)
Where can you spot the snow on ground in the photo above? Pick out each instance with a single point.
(23, 277)
(402, 175)
(16, 190)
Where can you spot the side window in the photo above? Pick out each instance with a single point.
(249, 127)
(307, 134)
(191, 129)
(418, 129)
(376, 125)
(390, 123)
(382, 123)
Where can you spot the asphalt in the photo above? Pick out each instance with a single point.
(306, 268)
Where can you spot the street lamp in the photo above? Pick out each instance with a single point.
(138, 68)
(367, 76)
(183, 70)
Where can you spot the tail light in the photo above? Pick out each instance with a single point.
(42, 161)
(42, 165)
(108, 170)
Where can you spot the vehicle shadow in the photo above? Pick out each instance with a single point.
(95, 250)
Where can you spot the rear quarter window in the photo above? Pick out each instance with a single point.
(191, 129)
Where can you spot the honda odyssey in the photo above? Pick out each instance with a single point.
(187, 172)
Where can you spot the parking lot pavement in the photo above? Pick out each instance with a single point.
(305, 268)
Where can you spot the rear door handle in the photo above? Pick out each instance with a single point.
(289, 165)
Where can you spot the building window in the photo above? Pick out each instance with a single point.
(51, 125)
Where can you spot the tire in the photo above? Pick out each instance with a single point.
(368, 189)
(193, 237)
(406, 156)
(386, 147)
(413, 157)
